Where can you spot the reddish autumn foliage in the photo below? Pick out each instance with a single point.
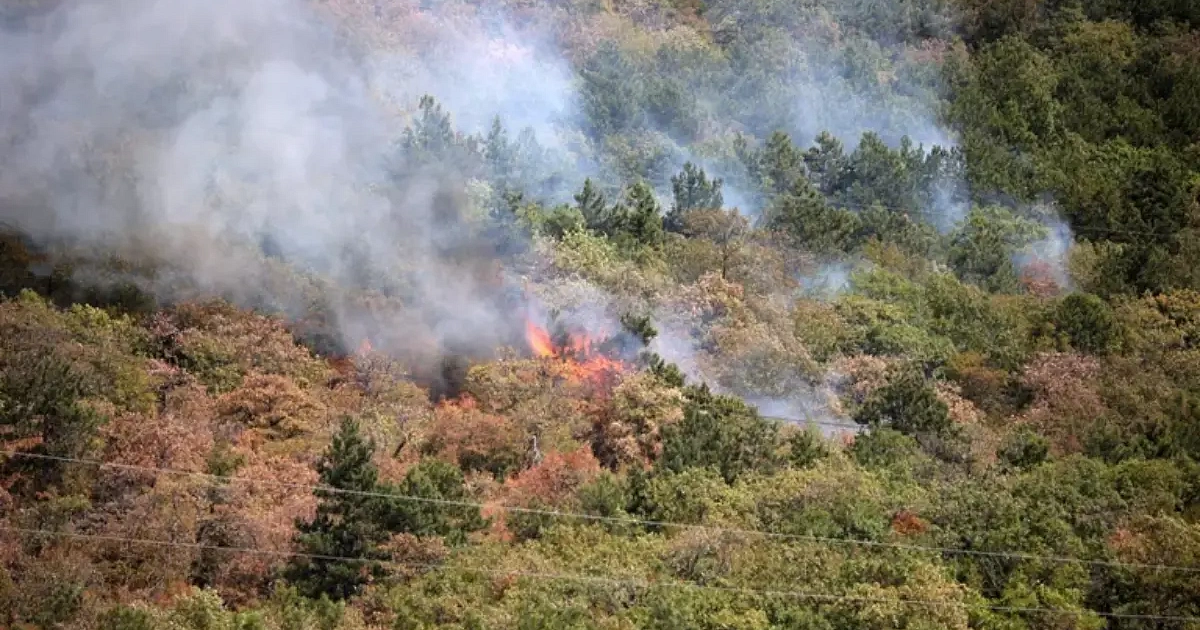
(274, 404)
(1066, 404)
(555, 479)
(1038, 278)
(475, 440)
(907, 523)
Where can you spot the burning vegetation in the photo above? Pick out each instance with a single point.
(583, 356)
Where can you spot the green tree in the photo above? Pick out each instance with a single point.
(591, 204)
(347, 524)
(443, 513)
(809, 222)
(498, 152)
(826, 163)
(982, 249)
(720, 432)
(42, 395)
(637, 221)
(1088, 323)
(692, 190)
(781, 164)
(908, 404)
(1024, 449)
(611, 92)
(431, 138)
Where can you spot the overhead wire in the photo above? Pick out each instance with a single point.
(598, 579)
(617, 520)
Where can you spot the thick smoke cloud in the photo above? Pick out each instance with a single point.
(195, 133)
(235, 142)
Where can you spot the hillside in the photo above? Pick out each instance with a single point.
(730, 314)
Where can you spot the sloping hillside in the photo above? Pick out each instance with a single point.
(653, 314)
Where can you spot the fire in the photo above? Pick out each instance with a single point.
(539, 340)
(578, 353)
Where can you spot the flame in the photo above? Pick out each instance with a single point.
(578, 353)
(539, 340)
(365, 348)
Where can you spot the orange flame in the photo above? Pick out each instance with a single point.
(539, 340)
(365, 348)
(578, 353)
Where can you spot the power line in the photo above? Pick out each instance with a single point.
(596, 579)
(613, 519)
(853, 427)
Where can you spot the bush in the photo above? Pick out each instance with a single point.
(1024, 449)
(908, 404)
(722, 433)
(1089, 323)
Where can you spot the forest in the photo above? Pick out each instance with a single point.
(600, 314)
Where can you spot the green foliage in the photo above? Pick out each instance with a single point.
(431, 138)
(887, 449)
(830, 500)
(637, 221)
(128, 618)
(1067, 428)
(806, 447)
(1088, 323)
(57, 371)
(982, 249)
(806, 218)
(607, 496)
(722, 433)
(441, 484)
(780, 164)
(610, 92)
(908, 404)
(347, 524)
(634, 222)
(1024, 449)
(42, 397)
(929, 321)
(692, 190)
(293, 612)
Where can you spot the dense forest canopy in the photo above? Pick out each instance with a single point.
(729, 314)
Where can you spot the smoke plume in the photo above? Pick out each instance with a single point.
(222, 138)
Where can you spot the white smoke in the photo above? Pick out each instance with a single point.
(192, 131)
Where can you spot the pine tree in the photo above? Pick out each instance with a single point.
(431, 137)
(804, 217)
(591, 204)
(692, 190)
(346, 525)
(782, 164)
(640, 218)
(444, 515)
(826, 164)
(499, 154)
(722, 433)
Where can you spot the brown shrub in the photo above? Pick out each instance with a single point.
(1066, 405)
(907, 523)
(856, 377)
(543, 397)
(627, 431)
(475, 440)
(222, 342)
(555, 479)
(273, 404)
